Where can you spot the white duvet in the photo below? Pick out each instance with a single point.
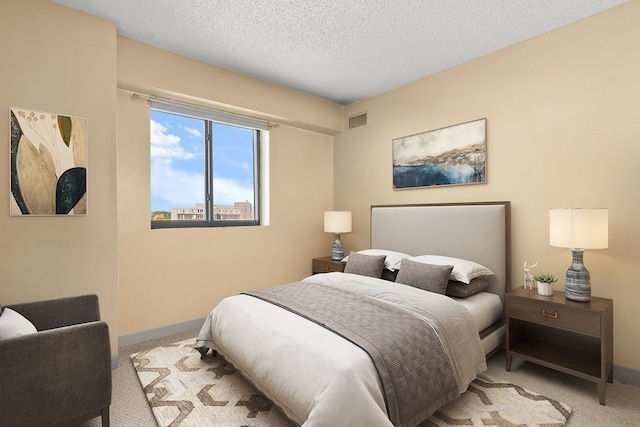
(318, 378)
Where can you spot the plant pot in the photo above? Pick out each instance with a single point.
(545, 289)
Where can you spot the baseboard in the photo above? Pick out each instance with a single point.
(152, 334)
(626, 375)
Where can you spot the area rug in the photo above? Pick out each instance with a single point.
(185, 390)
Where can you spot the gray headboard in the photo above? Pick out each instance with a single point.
(478, 232)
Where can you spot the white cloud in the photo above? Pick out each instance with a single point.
(167, 145)
(179, 189)
(159, 135)
(193, 132)
(227, 191)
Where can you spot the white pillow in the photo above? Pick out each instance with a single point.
(391, 262)
(14, 324)
(463, 270)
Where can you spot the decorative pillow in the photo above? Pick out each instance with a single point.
(463, 290)
(365, 265)
(14, 324)
(433, 278)
(463, 270)
(392, 260)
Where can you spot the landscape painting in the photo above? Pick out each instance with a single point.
(48, 163)
(452, 155)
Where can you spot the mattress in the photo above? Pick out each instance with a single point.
(485, 308)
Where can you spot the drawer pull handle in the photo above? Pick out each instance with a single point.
(553, 316)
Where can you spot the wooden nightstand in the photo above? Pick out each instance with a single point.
(571, 337)
(326, 265)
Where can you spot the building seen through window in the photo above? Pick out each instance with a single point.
(238, 211)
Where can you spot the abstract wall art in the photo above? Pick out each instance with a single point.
(48, 163)
(452, 155)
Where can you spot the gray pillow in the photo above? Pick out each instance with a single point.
(462, 290)
(430, 277)
(365, 265)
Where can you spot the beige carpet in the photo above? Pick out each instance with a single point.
(183, 389)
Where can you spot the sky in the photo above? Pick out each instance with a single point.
(178, 163)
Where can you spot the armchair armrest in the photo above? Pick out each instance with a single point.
(56, 374)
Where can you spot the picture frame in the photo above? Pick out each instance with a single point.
(453, 155)
(48, 164)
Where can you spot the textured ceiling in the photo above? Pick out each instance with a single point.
(338, 50)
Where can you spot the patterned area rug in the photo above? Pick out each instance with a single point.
(488, 402)
(184, 390)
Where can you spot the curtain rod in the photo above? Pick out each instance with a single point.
(148, 98)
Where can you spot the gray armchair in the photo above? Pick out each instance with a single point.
(60, 375)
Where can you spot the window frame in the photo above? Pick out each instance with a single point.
(211, 117)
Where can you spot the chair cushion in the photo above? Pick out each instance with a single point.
(13, 324)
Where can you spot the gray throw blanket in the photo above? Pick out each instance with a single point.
(414, 369)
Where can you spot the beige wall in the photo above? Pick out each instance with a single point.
(170, 276)
(61, 61)
(562, 131)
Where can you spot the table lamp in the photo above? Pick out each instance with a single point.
(578, 229)
(337, 222)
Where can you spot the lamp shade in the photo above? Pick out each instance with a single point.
(337, 222)
(579, 228)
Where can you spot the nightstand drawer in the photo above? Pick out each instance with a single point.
(327, 265)
(558, 316)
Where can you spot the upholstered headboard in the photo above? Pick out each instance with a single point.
(475, 231)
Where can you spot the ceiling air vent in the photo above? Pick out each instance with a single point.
(357, 121)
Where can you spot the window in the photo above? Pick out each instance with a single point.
(205, 166)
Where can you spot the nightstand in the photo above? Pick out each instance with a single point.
(571, 337)
(326, 265)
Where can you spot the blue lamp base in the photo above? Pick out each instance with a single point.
(578, 281)
(337, 251)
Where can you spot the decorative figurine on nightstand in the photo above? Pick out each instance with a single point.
(528, 277)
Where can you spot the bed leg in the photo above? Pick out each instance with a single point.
(204, 350)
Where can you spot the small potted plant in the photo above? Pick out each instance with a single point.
(545, 283)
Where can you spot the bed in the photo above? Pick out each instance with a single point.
(333, 371)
